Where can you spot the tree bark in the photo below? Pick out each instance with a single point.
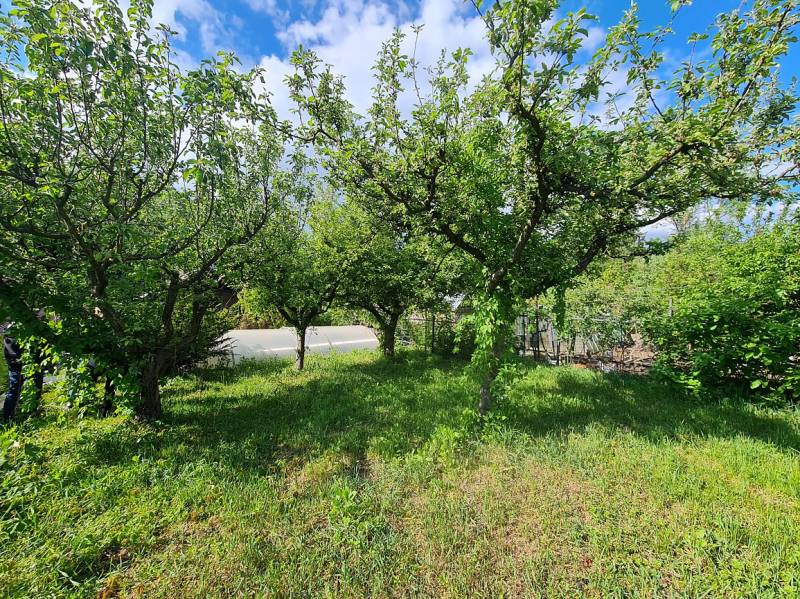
(388, 334)
(150, 406)
(433, 331)
(300, 361)
(107, 407)
(485, 402)
(489, 378)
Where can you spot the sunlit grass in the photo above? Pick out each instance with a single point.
(366, 477)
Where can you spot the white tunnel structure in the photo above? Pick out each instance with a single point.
(260, 344)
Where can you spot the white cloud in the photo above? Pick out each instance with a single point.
(271, 8)
(216, 31)
(595, 38)
(275, 72)
(660, 230)
(348, 36)
(215, 28)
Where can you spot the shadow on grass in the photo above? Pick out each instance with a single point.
(649, 408)
(251, 417)
(258, 415)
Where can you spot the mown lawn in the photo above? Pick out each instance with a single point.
(363, 477)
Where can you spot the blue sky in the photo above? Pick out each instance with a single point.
(347, 33)
(255, 28)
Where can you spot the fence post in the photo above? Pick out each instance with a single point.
(433, 330)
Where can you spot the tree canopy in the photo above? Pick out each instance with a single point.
(130, 189)
(524, 176)
(138, 197)
(322, 245)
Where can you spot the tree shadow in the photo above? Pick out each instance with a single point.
(642, 405)
(392, 407)
(236, 418)
(245, 367)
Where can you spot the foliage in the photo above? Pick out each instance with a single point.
(322, 245)
(720, 306)
(364, 476)
(343, 316)
(525, 175)
(736, 309)
(129, 187)
(250, 315)
(605, 305)
(433, 330)
(396, 272)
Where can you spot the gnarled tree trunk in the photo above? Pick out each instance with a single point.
(485, 402)
(490, 376)
(387, 319)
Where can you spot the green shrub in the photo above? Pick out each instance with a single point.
(736, 311)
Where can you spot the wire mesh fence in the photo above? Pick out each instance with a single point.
(539, 337)
(535, 336)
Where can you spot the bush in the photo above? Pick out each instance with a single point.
(736, 310)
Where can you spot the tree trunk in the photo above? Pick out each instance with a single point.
(433, 331)
(107, 407)
(485, 403)
(388, 334)
(150, 406)
(300, 362)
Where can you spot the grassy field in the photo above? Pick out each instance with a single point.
(363, 477)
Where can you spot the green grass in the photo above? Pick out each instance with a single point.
(363, 477)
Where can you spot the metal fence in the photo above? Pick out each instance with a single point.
(536, 336)
(539, 337)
